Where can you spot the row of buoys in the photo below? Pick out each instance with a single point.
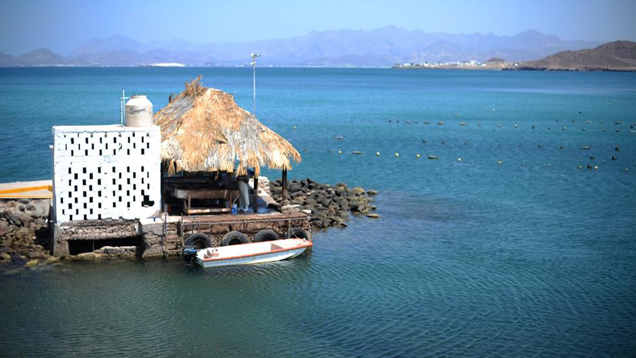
(516, 125)
(459, 159)
(499, 162)
(540, 146)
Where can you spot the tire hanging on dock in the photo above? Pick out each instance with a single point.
(266, 235)
(199, 241)
(234, 238)
(297, 233)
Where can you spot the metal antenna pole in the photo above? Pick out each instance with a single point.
(122, 113)
(254, 56)
(121, 107)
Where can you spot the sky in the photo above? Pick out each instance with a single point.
(62, 25)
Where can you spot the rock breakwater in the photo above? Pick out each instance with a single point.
(328, 205)
(24, 232)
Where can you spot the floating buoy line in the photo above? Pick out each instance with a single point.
(467, 124)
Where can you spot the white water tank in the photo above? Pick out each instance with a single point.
(138, 112)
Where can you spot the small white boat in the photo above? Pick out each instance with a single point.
(252, 253)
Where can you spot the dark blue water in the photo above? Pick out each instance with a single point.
(512, 251)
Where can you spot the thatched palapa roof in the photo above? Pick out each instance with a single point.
(203, 129)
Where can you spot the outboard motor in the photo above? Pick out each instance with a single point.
(189, 254)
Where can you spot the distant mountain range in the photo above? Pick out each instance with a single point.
(380, 47)
(613, 56)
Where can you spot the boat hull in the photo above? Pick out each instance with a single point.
(254, 257)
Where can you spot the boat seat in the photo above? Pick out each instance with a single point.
(209, 253)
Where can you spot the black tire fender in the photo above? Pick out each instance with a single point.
(199, 241)
(232, 237)
(297, 233)
(266, 235)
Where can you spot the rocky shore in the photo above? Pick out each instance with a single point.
(328, 205)
(25, 239)
(24, 233)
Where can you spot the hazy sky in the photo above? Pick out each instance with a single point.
(63, 24)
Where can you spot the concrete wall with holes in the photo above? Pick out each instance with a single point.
(106, 172)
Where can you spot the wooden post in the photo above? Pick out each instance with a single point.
(284, 194)
(256, 193)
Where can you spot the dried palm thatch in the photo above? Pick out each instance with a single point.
(203, 129)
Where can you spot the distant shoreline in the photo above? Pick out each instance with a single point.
(449, 68)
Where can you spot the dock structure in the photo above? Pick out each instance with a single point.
(167, 236)
(152, 187)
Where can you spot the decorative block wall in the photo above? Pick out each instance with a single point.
(106, 172)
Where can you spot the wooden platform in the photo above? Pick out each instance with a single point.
(42, 189)
(188, 194)
(216, 226)
(242, 218)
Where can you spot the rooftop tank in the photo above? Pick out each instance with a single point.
(138, 112)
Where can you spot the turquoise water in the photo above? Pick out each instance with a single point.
(530, 257)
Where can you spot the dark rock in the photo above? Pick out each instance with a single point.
(320, 211)
(24, 201)
(14, 220)
(317, 223)
(296, 194)
(22, 234)
(30, 207)
(5, 228)
(8, 240)
(25, 219)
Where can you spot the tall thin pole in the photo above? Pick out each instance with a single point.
(122, 112)
(121, 107)
(254, 87)
(254, 56)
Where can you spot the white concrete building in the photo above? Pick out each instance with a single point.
(106, 172)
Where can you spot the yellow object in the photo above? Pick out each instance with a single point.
(28, 188)
(34, 192)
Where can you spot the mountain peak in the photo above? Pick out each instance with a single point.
(612, 56)
(530, 33)
(42, 57)
(377, 47)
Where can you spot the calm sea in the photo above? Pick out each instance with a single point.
(511, 251)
